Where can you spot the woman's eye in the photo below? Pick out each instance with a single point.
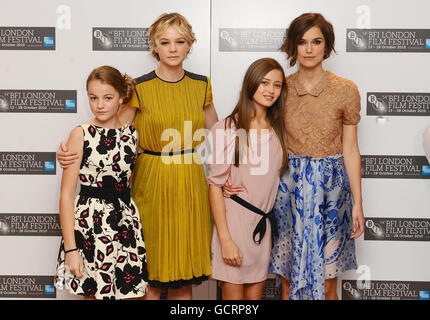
(92, 98)
(317, 42)
(302, 42)
(264, 83)
(278, 86)
(181, 41)
(163, 43)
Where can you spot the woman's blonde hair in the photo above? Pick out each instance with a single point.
(165, 21)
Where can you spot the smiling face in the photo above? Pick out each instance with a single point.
(311, 48)
(172, 47)
(104, 101)
(269, 89)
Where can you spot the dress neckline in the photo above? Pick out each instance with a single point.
(120, 128)
(317, 89)
(155, 74)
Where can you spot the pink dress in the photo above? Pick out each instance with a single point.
(259, 176)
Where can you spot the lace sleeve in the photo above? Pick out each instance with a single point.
(351, 113)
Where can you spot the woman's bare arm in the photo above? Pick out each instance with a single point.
(211, 116)
(67, 195)
(352, 160)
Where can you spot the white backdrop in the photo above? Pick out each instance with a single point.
(67, 67)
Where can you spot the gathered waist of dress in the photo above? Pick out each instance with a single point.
(108, 194)
(310, 158)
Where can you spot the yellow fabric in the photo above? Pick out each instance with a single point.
(172, 198)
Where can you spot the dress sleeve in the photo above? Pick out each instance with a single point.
(221, 155)
(135, 100)
(351, 114)
(208, 97)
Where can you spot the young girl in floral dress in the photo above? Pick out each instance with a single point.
(102, 253)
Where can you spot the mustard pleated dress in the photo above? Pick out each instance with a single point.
(170, 191)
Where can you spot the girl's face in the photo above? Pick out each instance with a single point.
(172, 47)
(269, 89)
(104, 100)
(310, 50)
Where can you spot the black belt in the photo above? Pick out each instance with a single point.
(260, 229)
(110, 191)
(174, 153)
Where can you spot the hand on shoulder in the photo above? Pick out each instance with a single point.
(69, 152)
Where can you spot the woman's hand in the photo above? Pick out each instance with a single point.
(64, 157)
(231, 253)
(228, 189)
(75, 264)
(357, 221)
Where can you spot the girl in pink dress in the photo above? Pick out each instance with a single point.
(249, 146)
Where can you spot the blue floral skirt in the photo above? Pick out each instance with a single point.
(313, 209)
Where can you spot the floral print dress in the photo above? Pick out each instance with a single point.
(108, 230)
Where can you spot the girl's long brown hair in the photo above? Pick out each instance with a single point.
(244, 112)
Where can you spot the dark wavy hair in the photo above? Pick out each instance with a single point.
(298, 28)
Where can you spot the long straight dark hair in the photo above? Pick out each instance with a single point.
(245, 112)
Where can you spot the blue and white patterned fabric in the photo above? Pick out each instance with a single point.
(313, 209)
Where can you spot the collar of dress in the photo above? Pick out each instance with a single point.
(316, 90)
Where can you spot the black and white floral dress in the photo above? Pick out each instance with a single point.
(108, 230)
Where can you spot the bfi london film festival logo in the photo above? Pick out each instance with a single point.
(388, 40)
(385, 290)
(398, 104)
(27, 38)
(397, 229)
(27, 287)
(394, 167)
(38, 101)
(120, 39)
(271, 291)
(13, 224)
(27, 163)
(251, 40)
(4, 227)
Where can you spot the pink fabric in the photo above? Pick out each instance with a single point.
(260, 182)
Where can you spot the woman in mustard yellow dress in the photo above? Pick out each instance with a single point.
(170, 108)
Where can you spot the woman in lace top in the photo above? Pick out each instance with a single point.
(318, 206)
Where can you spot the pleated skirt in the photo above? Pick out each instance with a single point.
(175, 212)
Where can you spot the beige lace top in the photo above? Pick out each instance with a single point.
(315, 119)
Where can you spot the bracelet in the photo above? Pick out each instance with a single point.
(71, 250)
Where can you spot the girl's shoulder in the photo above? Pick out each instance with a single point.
(78, 131)
(84, 131)
(224, 124)
(76, 138)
